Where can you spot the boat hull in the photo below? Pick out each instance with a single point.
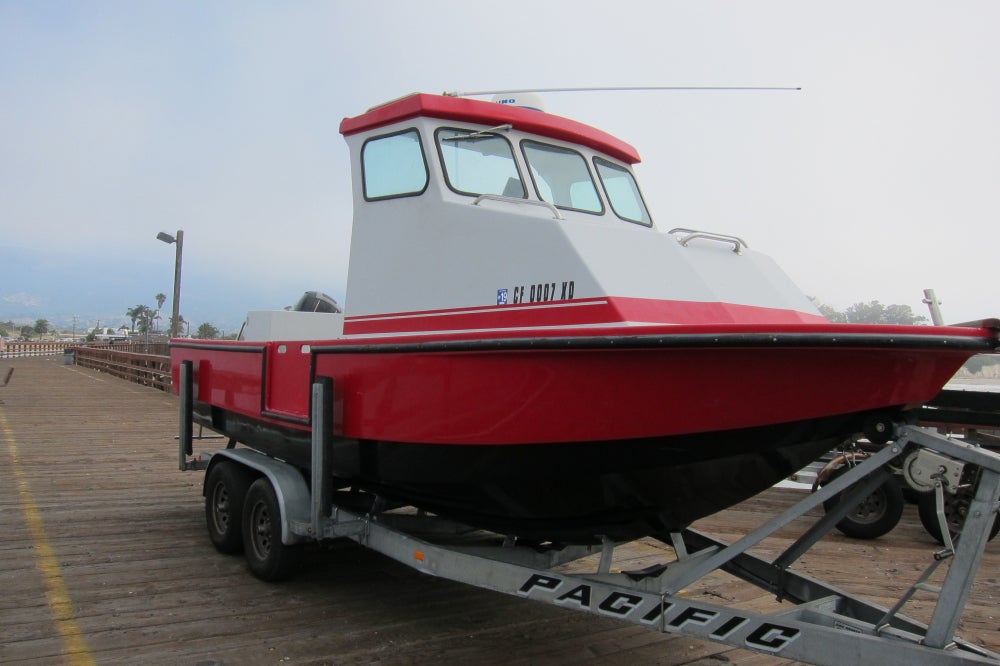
(571, 438)
(633, 389)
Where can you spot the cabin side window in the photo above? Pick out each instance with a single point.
(393, 166)
(622, 192)
(479, 163)
(561, 177)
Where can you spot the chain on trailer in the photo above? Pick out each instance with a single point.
(821, 624)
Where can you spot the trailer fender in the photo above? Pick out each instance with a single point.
(288, 483)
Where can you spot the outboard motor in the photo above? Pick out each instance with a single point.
(316, 301)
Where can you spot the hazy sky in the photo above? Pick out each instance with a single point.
(122, 119)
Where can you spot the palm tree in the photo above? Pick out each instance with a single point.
(180, 323)
(160, 298)
(135, 314)
(207, 331)
(142, 314)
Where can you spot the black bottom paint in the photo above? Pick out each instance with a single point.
(569, 493)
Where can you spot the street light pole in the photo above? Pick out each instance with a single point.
(179, 241)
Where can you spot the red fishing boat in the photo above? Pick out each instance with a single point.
(522, 347)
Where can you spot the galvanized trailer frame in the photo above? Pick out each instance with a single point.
(820, 625)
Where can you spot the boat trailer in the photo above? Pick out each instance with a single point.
(820, 624)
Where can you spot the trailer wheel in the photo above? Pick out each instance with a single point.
(225, 489)
(875, 515)
(268, 558)
(955, 509)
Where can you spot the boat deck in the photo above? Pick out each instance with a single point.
(105, 560)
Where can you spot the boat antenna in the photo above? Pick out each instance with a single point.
(456, 93)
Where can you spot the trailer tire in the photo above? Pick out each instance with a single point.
(875, 515)
(954, 512)
(225, 489)
(268, 558)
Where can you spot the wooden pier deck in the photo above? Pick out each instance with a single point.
(105, 560)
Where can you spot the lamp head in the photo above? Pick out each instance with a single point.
(165, 237)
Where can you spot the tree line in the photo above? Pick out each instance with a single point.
(871, 312)
(144, 318)
(8, 329)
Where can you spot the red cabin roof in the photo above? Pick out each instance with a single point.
(490, 113)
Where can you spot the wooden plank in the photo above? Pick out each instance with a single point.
(96, 459)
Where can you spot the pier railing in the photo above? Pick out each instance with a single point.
(52, 348)
(25, 349)
(146, 363)
(138, 368)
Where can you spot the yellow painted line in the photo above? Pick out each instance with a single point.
(74, 644)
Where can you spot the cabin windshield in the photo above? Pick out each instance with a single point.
(479, 163)
(622, 192)
(561, 177)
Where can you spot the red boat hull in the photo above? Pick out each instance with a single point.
(520, 390)
(580, 435)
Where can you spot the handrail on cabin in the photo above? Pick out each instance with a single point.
(517, 200)
(738, 243)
